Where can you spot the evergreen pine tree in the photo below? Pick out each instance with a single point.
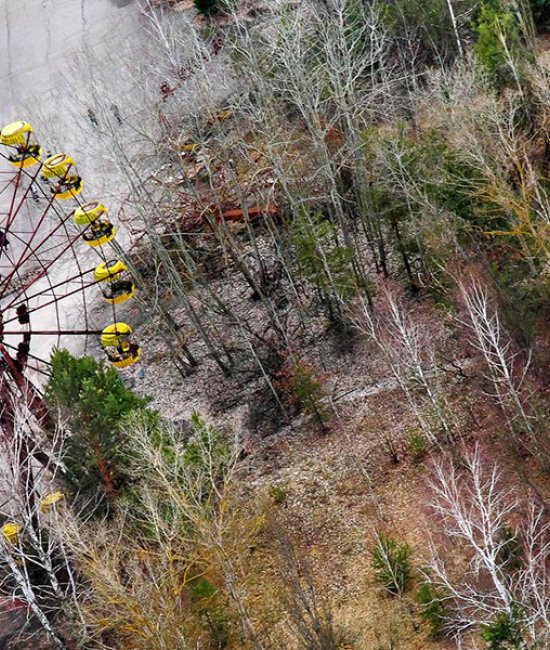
(92, 400)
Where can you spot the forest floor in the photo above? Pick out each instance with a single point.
(334, 489)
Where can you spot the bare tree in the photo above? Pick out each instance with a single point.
(501, 360)
(503, 548)
(409, 351)
(36, 565)
(183, 522)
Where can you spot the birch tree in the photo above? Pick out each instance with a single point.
(505, 369)
(503, 543)
(410, 357)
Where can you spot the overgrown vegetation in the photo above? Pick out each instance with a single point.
(353, 243)
(207, 7)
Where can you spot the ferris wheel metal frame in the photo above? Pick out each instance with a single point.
(28, 284)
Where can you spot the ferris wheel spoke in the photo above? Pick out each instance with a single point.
(27, 244)
(48, 290)
(31, 356)
(27, 388)
(51, 287)
(83, 332)
(4, 283)
(5, 189)
(24, 287)
(16, 182)
(41, 371)
(51, 302)
(77, 262)
(14, 211)
(25, 298)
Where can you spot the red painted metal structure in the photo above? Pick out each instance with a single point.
(36, 234)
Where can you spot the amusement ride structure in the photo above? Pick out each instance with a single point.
(44, 226)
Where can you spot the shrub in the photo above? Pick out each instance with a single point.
(417, 445)
(525, 304)
(206, 455)
(432, 608)
(443, 174)
(504, 632)
(391, 564)
(323, 260)
(278, 494)
(301, 389)
(204, 599)
(427, 21)
(541, 13)
(498, 39)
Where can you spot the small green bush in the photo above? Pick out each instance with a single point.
(391, 564)
(277, 494)
(417, 445)
(323, 260)
(301, 389)
(309, 391)
(202, 588)
(432, 608)
(213, 615)
(504, 632)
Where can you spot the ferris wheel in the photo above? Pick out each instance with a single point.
(55, 247)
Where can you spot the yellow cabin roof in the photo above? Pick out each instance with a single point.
(88, 213)
(109, 270)
(57, 165)
(113, 333)
(10, 532)
(15, 133)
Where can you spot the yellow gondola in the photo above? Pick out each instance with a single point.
(18, 136)
(118, 343)
(10, 532)
(58, 168)
(50, 500)
(117, 286)
(88, 213)
(101, 232)
(129, 360)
